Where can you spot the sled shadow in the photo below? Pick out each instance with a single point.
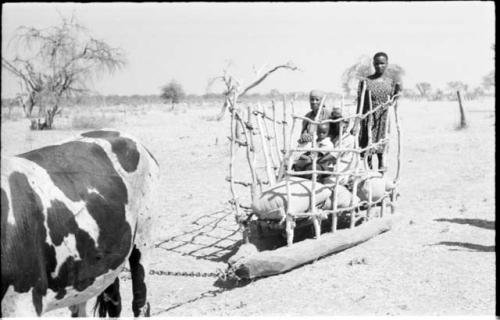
(214, 236)
(485, 224)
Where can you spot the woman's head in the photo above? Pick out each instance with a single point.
(380, 61)
(315, 97)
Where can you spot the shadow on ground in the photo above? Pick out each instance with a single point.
(214, 236)
(480, 223)
(485, 224)
(466, 245)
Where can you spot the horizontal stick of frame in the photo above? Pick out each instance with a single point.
(244, 183)
(360, 116)
(256, 112)
(321, 213)
(238, 142)
(372, 146)
(330, 173)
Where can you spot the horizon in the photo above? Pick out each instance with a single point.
(435, 42)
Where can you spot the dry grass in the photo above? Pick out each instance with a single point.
(93, 121)
(12, 114)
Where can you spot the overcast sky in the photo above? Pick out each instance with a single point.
(436, 42)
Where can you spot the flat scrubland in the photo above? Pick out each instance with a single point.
(438, 260)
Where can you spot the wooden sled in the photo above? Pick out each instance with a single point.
(279, 236)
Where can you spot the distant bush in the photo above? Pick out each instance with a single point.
(92, 121)
(12, 116)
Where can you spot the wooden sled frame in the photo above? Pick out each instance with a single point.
(278, 167)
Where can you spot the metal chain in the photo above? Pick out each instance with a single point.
(223, 275)
(187, 274)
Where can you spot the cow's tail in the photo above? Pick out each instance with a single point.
(109, 302)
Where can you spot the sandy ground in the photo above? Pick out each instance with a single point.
(438, 260)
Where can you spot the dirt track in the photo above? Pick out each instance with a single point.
(439, 260)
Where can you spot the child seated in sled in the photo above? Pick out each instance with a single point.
(344, 162)
(325, 159)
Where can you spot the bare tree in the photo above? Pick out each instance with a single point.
(424, 88)
(455, 86)
(489, 80)
(354, 73)
(55, 63)
(172, 92)
(437, 95)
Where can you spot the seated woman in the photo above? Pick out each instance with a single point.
(306, 133)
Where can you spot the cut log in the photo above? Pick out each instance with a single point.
(272, 262)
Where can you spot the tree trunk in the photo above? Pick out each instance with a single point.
(49, 118)
(45, 120)
(463, 122)
(39, 124)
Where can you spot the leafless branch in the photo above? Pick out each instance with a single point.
(263, 77)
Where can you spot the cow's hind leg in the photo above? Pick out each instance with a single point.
(79, 310)
(109, 302)
(139, 269)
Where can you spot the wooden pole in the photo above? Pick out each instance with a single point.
(398, 131)
(337, 179)
(251, 147)
(387, 132)
(249, 150)
(398, 169)
(370, 153)
(357, 125)
(316, 220)
(231, 169)
(279, 155)
(289, 220)
(285, 124)
(463, 122)
(269, 171)
(284, 151)
(268, 139)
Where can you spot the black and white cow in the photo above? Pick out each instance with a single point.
(73, 215)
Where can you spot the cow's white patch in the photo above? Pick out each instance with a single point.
(18, 304)
(48, 192)
(65, 250)
(73, 296)
(6, 164)
(86, 222)
(94, 190)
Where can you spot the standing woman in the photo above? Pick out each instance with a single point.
(380, 85)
